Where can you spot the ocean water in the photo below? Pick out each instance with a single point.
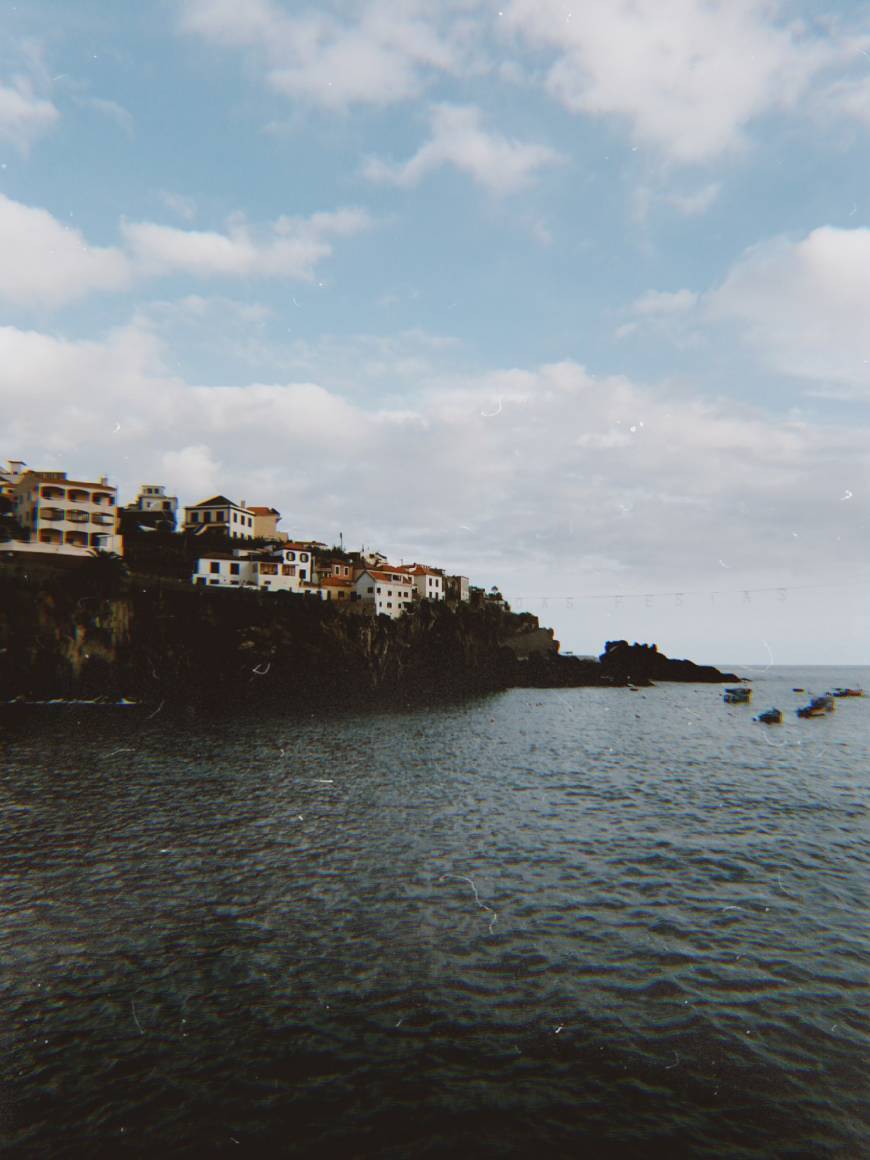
(552, 923)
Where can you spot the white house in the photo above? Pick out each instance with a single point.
(221, 514)
(390, 592)
(225, 570)
(428, 582)
(154, 507)
(286, 569)
(67, 512)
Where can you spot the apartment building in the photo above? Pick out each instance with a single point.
(67, 513)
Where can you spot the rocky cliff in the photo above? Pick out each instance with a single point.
(92, 634)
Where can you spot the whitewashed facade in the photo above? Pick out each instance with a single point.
(390, 592)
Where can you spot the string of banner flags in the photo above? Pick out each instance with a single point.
(778, 592)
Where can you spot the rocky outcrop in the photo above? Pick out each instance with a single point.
(643, 663)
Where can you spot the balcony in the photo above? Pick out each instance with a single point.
(77, 495)
(51, 514)
(77, 517)
(50, 536)
(104, 521)
(52, 492)
(103, 499)
(76, 539)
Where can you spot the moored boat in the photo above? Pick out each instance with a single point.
(847, 692)
(770, 717)
(818, 706)
(737, 696)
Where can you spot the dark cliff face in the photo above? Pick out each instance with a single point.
(97, 633)
(180, 645)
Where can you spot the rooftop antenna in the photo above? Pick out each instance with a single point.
(341, 540)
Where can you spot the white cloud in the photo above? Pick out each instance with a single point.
(24, 115)
(687, 75)
(46, 264)
(804, 305)
(664, 302)
(112, 110)
(192, 469)
(495, 162)
(383, 54)
(292, 247)
(181, 205)
(696, 202)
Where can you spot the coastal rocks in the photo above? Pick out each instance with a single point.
(643, 662)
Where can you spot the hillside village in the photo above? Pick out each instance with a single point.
(48, 518)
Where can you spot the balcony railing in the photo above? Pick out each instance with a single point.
(76, 495)
(76, 517)
(52, 514)
(103, 520)
(52, 493)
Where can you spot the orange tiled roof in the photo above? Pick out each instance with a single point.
(336, 582)
(387, 577)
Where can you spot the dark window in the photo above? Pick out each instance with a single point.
(371, 589)
(214, 566)
(379, 591)
(234, 569)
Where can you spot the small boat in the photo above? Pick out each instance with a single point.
(799, 690)
(770, 717)
(818, 707)
(738, 696)
(847, 692)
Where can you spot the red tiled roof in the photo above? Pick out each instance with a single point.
(419, 570)
(387, 577)
(264, 511)
(336, 582)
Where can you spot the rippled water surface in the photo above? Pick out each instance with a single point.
(582, 922)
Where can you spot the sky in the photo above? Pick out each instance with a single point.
(571, 298)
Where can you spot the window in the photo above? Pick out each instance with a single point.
(287, 570)
(194, 517)
(206, 517)
(389, 604)
(379, 591)
(268, 569)
(370, 589)
(220, 517)
(234, 569)
(214, 566)
(303, 573)
(291, 555)
(303, 556)
(342, 595)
